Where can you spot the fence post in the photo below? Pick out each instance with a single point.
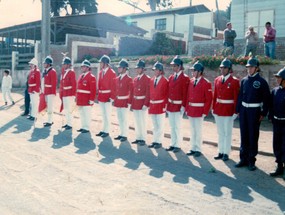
(15, 60)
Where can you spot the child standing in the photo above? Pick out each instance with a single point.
(7, 86)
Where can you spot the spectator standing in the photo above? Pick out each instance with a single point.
(251, 42)
(277, 116)
(229, 38)
(252, 106)
(7, 87)
(27, 100)
(269, 40)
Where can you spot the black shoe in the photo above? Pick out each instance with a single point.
(225, 157)
(241, 164)
(80, 130)
(197, 154)
(279, 171)
(123, 139)
(6, 103)
(99, 134)
(251, 167)
(141, 142)
(13, 102)
(24, 114)
(118, 137)
(152, 145)
(47, 124)
(176, 149)
(85, 131)
(219, 156)
(190, 153)
(105, 134)
(157, 145)
(135, 142)
(64, 126)
(171, 148)
(68, 127)
(31, 118)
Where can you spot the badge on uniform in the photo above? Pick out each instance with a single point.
(84, 83)
(256, 84)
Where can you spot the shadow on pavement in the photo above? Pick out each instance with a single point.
(62, 139)
(39, 134)
(84, 143)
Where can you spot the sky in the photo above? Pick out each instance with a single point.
(14, 12)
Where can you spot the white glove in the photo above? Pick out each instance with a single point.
(129, 106)
(182, 110)
(144, 107)
(111, 100)
(204, 115)
(91, 102)
(234, 116)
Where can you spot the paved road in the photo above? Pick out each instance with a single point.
(51, 171)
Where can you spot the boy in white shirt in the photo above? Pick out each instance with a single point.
(7, 86)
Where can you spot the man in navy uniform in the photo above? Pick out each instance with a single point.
(252, 106)
(277, 116)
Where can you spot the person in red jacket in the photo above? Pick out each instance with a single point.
(123, 94)
(85, 95)
(226, 90)
(49, 88)
(67, 90)
(157, 104)
(140, 102)
(34, 87)
(178, 85)
(199, 100)
(105, 83)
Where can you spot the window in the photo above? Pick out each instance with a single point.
(257, 19)
(160, 24)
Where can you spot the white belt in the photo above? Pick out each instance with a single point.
(156, 101)
(196, 104)
(67, 88)
(47, 85)
(247, 105)
(104, 91)
(139, 97)
(224, 101)
(122, 97)
(275, 117)
(83, 91)
(177, 102)
(32, 85)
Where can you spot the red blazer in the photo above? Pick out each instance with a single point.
(225, 96)
(105, 85)
(67, 84)
(34, 81)
(141, 89)
(50, 81)
(177, 95)
(200, 97)
(158, 96)
(123, 91)
(86, 89)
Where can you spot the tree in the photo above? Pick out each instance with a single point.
(73, 7)
(159, 3)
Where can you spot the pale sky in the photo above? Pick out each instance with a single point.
(13, 12)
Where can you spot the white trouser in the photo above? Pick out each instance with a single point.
(5, 93)
(122, 114)
(158, 127)
(85, 116)
(68, 104)
(196, 133)
(175, 125)
(50, 104)
(106, 115)
(140, 124)
(224, 127)
(35, 99)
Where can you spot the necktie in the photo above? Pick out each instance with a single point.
(139, 78)
(223, 80)
(195, 82)
(155, 82)
(176, 76)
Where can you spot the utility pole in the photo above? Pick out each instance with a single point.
(45, 31)
(190, 31)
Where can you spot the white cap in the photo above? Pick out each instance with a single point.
(34, 61)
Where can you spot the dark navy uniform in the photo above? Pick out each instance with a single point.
(277, 115)
(253, 102)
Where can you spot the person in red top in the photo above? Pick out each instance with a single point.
(157, 104)
(49, 88)
(85, 95)
(199, 100)
(178, 85)
(105, 83)
(140, 102)
(34, 87)
(123, 94)
(226, 90)
(67, 90)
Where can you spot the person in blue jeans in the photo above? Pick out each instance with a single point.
(269, 40)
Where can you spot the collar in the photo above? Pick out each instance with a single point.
(123, 75)
(178, 73)
(226, 77)
(141, 75)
